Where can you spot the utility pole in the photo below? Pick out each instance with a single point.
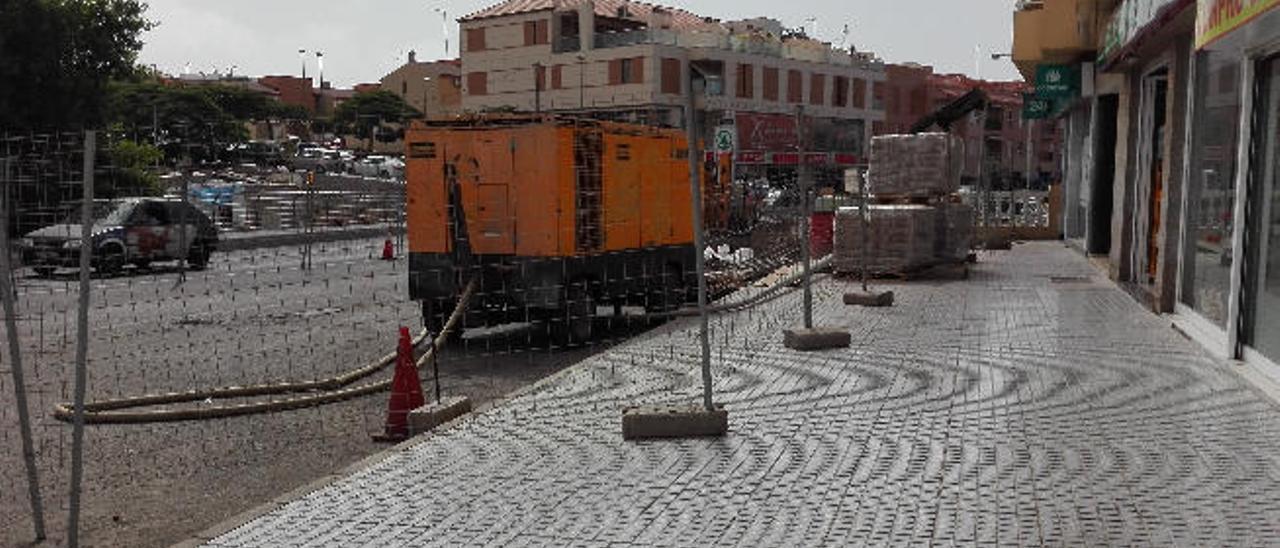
(302, 55)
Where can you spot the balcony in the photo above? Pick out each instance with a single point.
(1056, 31)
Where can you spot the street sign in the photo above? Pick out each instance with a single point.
(1036, 108)
(1057, 81)
(726, 139)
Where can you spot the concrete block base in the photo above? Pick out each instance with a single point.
(431, 416)
(818, 338)
(870, 298)
(691, 421)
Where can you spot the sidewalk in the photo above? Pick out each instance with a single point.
(1033, 404)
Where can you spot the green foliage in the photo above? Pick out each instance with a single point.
(191, 121)
(133, 164)
(56, 57)
(364, 111)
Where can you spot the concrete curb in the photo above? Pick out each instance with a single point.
(259, 241)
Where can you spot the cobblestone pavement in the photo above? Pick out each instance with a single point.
(1024, 406)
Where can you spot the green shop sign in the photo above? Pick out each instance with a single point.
(1035, 107)
(1057, 81)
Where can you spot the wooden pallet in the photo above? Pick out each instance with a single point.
(946, 270)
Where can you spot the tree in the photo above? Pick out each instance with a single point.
(364, 111)
(133, 176)
(57, 56)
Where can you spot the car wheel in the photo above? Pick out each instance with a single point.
(198, 255)
(44, 271)
(142, 263)
(112, 260)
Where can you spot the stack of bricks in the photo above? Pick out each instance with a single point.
(927, 164)
(915, 220)
(902, 237)
(955, 232)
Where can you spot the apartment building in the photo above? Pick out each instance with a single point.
(1171, 147)
(433, 88)
(632, 62)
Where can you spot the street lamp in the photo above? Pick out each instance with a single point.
(444, 26)
(320, 66)
(302, 55)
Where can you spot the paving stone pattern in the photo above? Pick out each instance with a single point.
(1019, 407)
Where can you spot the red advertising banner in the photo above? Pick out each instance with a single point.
(751, 157)
(771, 132)
(817, 158)
(846, 159)
(785, 158)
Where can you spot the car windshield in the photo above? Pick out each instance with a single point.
(113, 212)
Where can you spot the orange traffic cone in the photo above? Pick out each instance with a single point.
(388, 251)
(406, 391)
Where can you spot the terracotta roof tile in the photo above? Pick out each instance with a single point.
(680, 19)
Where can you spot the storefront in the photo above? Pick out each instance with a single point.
(1229, 283)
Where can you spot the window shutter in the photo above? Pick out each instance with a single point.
(615, 72)
(637, 71)
(859, 93)
(671, 77)
(541, 34)
(477, 83)
(530, 33)
(557, 81)
(475, 39)
(818, 87)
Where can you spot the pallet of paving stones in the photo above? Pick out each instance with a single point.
(926, 164)
(897, 238)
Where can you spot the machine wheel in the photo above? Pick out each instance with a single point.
(112, 260)
(435, 313)
(574, 324)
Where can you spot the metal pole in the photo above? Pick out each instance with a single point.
(699, 243)
(805, 207)
(82, 342)
(15, 359)
(435, 365)
(866, 228)
(182, 227)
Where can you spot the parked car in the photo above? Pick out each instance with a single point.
(319, 160)
(135, 231)
(385, 167)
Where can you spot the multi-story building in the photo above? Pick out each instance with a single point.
(292, 90)
(633, 61)
(432, 88)
(998, 134)
(1171, 144)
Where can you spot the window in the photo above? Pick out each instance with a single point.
(626, 71)
(671, 76)
(557, 77)
(475, 39)
(745, 84)
(818, 86)
(841, 93)
(770, 84)
(535, 32)
(404, 88)
(859, 93)
(877, 95)
(477, 83)
(795, 86)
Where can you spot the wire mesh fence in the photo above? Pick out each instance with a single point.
(241, 322)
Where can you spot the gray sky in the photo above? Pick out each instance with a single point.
(362, 41)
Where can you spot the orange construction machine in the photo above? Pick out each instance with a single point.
(553, 216)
